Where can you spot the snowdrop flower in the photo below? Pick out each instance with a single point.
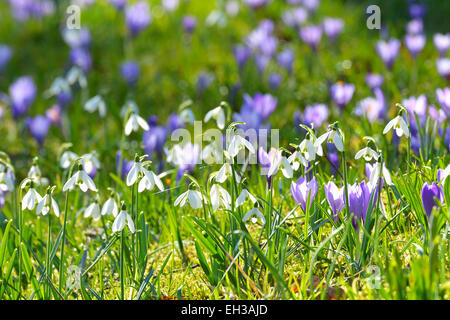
(400, 126)
(224, 173)
(367, 153)
(219, 197)
(6, 182)
(76, 75)
(110, 207)
(333, 135)
(80, 179)
(43, 206)
(123, 218)
(96, 104)
(254, 214)
(237, 144)
(194, 197)
(67, 158)
(31, 198)
(217, 114)
(134, 122)
(212, 153)
(375, 175)
(186, 115)
(244, 196)
(148, 182)
(90, 163)
(279, 161)
(93, 210)
(60, 86)
(309, 149)
(296, 159)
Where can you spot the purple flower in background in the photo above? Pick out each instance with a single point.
(154, 140)
(374, 80)
(430, 192)
(138, 17)
(265, 160)
(442, 43)
(295, 17)
(286, 59)
(311, 5)
(263, 104)
(255, 4)
(333, 27)
(22, 93)
(437, 115)
(304, 191)
(417, 11)
(342, 93)
(82, 58)
(261, 40)
(64, 98)
(388, 51)
(373, 108)
(250, 117)
(443, 98)
(38, 127)
(443, 67)
(23, 10)
(186, 158)
(416, 106)
(170, 5)
(126, 165)
(204, 81)
(358, 201)
(415, 43)
(174, 122)
(447, 138)
(275, 80)
(335, 198)
(414, 26)
(334, 161)
(54, 115)
(119, 4)
(241, 54)
(189, 24)
(130, 72)
(5, 55)
(77, 38)
(317, 114)
(311, 35)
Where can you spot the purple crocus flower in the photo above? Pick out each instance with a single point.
(437, 115)
(311, 35)
(82, 58)
(77, 38)
(137, 17)
(241, 54)
(64, 98)
(174, 122)
(358, 201)
(255, 4)
(22, 93)
(415, 43)
(374, 80)
(417, 11)
(316, 114)
(443, 67)
(275, 80)
(263, 104)
(154, 140)
(189, 24)
(342, 93)
(38, 127)
(130, 72)
(431, 192)
(265, 160)
(373, 108)
(333, 27)
(335, 198)
(416, 106)
(335, 163)
(295, 17)
(126, 165)
(170, 5)
(187, 159)
(442, 43)
(118, 4)
(5, 56)
(286, 59)
(311, 5)
(447, 138)
(443, 98)
(204, 81)
(54, 115)
(23, 10)
(388, 51)
(414, 26)
(250, 117)
(304, 191)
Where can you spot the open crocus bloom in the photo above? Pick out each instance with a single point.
(304, 190)
(335, 198)
(431, 193)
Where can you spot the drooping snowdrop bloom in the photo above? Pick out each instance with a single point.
(304, 191)
(367, 153)
(35, 174)
(93, 210)
(399, 125)
(238, 144)
(110, 207)
(123, 218)
(212, 153)
(80, 179)
(220, 198)
(31, 198)
(90, 163)
(335, 198)
(254, 214)
(67, 158)
(76, 75)
(310, 149)
(149, 181)
(6, 179)
(187, 116)
(217, 114)
(278, 161)
(134, 122)
(333, 135)
(376, 172)
(60, 88)
(296, 159)
(388, 51)
(194, 197)
(243, 197)
(96, 104)
(224, 173)
(43, 206)
(431, 193)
